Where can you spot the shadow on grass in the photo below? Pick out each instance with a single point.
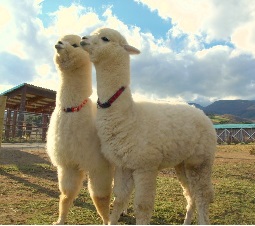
(27, 163)
(35, 166)
(80, 203)
(40, 189)
(130, 220)
(27, 183)
(16, 156)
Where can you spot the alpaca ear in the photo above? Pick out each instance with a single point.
(131, 50)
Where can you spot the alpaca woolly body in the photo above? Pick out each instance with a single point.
(154, 143)
(72, 142)
(142, 138)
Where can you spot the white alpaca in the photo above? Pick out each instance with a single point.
(72, 142)
(142, 138)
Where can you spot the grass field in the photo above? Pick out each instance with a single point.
(29, 191)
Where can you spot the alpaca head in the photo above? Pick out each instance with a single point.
(106, 44)
(69, 55)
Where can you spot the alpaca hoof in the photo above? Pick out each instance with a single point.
(58, 223)
(113, 222)
(123, 214)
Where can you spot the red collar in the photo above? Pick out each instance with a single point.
(73, 109)
(111, 100)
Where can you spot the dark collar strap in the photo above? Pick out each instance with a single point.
(111, 100)
(75, 109)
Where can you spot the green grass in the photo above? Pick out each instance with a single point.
(234, 194)
(218, 119)
(29, 195)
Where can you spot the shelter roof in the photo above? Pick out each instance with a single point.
(234, 126)
(34, 98)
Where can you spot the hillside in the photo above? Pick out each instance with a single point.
(228, 119)
(197, 106)
(244, 109)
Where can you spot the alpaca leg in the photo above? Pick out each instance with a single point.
(180, 171)
(145, 189)
(100, 189)
(70, 182)
(125, 209)
(201, 186)
(190, 209)
(123, 187)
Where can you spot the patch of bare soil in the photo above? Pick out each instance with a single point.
(235, 153)
(22, 156)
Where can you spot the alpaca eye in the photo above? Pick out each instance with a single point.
(105, 39)
(75, 45)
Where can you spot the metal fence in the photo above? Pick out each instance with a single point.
(237, 134)
(24, 126)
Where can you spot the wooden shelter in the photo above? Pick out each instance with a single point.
(30, 98)
(22, 101)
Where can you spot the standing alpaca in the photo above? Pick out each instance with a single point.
(142, 138)
(72, 142)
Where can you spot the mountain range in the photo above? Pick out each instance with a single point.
(244, 109)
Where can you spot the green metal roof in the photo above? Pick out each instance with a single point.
(21, 85)
(234, 126)
(10, 90)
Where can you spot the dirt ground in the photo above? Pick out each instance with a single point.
(235, 153)
(24, 154)
(21, 156)
(21, 167)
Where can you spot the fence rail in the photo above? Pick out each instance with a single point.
(23, 126)
(235, 135)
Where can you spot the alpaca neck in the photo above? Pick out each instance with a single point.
(74, 88)
(110, 80)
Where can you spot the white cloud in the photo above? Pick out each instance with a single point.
(244, 37)
(202, 77)
(73, 20)
(189, 16)
(5, 17)
(43, 69)
(161, 71)
(213, 20)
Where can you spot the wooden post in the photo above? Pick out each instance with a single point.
(8, 124)
(22, 109)
(14, 123)
(2, 110)
(44, 126)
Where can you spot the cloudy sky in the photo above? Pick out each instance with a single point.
(192, 50)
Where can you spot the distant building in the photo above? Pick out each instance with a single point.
(27, 112)
(235, 133)
(30, 98)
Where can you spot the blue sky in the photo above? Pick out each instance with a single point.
(128, 11)
(191, 50)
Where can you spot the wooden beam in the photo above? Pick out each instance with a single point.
(45, 120)
(14, 121)
(35, 99)
(49, 108)
(41, 92)
(14, 93)
(2, 110)
(22, 108)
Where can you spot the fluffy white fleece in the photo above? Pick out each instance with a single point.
(72, 142)
(142, 138)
